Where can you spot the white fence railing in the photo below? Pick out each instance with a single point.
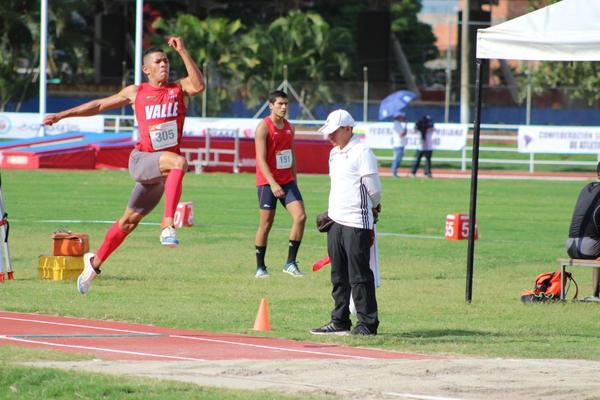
(210, 156)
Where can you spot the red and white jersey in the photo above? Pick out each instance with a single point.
(160, 113)
(279, 154)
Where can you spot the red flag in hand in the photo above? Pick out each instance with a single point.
(321, 263)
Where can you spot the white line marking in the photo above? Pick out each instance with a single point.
(260, 346)
(91, 221)
(419, 396)
(103, 349)
(73, 325)
(408, 235)
(191, 338)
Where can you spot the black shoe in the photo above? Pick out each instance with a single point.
(331, 329)
(361, 330)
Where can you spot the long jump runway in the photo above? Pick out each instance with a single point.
(126, 341)
(260, 363)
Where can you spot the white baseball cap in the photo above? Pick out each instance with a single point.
(335, 120)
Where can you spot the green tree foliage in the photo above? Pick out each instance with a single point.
(247, 64)
(219, 46)
(417, 39)
(310, 49)
(68, 40)
(582, 78)
(17, 30)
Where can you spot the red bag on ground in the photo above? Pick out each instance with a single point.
(547, 288)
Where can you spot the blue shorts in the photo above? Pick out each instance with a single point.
(268, 201)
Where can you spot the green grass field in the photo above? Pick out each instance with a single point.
(208, 283)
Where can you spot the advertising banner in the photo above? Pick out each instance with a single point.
(27, 125)
(220, 127)
(559, 139)
(378, 135)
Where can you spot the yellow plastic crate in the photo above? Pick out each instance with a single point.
(59, 268)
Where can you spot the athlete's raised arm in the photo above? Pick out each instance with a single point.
(124, 97)
(194, 82)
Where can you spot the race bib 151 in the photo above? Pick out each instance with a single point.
(284, 159)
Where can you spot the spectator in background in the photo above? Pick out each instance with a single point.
(399, 141)
(584, 232)
(426, 129)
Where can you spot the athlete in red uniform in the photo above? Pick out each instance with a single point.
(155, 163)
(276, 179)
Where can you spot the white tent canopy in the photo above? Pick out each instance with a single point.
(565, 31)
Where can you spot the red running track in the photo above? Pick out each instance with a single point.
(125, 341)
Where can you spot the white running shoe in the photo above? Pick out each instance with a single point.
(292, 269)
(168, 237)
(89, 273)
(261, 272)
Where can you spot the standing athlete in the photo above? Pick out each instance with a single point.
(156, 163)
(276, 180)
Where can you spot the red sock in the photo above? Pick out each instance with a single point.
(173, 187)
(113, 239)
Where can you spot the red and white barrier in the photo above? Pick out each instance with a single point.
(457, 227)
(184, 214)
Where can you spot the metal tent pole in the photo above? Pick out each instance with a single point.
(474, 171)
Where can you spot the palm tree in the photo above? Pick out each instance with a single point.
(219, 46)
(306, 44)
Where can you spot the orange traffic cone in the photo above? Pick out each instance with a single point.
(262, 317)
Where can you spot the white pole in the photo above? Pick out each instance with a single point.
(528, 104)
(43, 62)
(139, 38)
(464, 64)
(365, 93)
(139, 33)
(204, 94)
(448, 71)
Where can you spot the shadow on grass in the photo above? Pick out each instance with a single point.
(442, 333)
(116, 277)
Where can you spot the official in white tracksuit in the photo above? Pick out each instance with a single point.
(354, 201)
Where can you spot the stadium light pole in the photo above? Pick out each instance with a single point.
(139, 37)
(464, 63)
(43, 63)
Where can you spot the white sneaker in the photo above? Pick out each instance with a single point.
(292, 269)
(168, 237)
(261, 272)
(89, 273)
